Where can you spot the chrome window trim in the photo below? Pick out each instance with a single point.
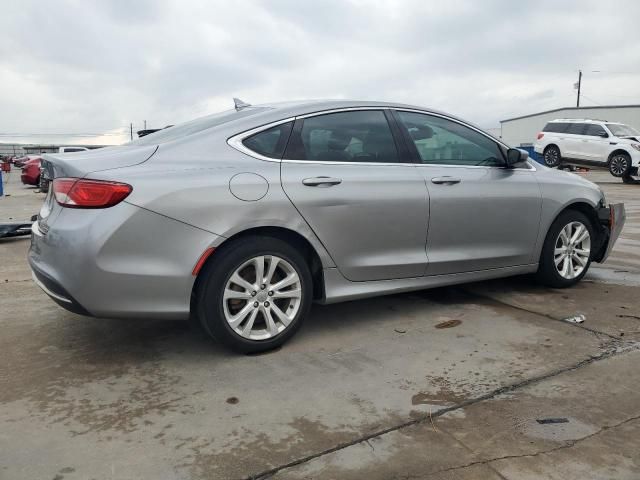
(236, 140)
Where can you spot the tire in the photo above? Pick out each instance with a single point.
(551, 156)
(553, 276)
(620, 165)
(254, 332)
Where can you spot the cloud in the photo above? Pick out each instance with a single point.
(72, 66)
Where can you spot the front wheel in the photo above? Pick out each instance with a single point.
(254, 294)
(566, 253)
(620, 165)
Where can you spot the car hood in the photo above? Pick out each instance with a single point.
(631, 138)
(567, 177)
(80, 164)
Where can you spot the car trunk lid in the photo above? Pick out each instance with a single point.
(80, 164)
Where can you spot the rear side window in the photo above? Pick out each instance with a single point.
(577, 128)
(357, 136)
(594, 130)
(555, 127)
(271, 142)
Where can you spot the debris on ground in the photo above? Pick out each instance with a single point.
(449, 324)
(575, 319)
(14, 229)
(399, 330)
(545, 421)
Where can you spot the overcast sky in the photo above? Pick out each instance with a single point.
(95, 66)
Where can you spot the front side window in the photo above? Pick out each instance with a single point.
(442, 141)
(271, 142)
(355, 136)
(594, 130)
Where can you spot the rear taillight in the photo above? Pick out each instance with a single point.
(540, 135)
(81, 193)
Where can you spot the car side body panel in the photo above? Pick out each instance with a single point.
(198, 190)
(136, 259)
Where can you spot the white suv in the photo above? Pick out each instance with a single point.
(592, 143)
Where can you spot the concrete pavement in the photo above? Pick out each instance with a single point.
(368, 389)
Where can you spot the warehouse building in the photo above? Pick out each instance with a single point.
(522, 131)
(19, 149)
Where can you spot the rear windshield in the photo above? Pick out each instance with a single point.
(193, 126)
(555, 127)
(620, 130)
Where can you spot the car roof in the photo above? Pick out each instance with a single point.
(312, 106)
(272, 112)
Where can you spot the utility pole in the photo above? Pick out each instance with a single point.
(579, 85)
(131, 130)
(145, 124)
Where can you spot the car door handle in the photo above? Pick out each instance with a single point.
(321, 181)
(445, 180)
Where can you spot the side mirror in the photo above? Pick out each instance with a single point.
(603, 134)
(515, 156)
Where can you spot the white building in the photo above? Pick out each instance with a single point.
(522, 131)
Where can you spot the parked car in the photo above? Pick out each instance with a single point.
(18, 162)
(240, 220)
(31, 172)
(72, 149)
(591, 143)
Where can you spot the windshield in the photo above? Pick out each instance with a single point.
(620, 130)
(193, 126)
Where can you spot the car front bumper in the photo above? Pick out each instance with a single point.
(612, 220)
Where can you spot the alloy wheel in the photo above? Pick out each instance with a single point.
(619, 165)
(551, 157)
(262, 297)
(572, 250)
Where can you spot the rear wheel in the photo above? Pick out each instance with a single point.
(566, 254)
(620, 165)
(254, 294)
(552, 156)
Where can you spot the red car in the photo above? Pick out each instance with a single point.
(31, 172)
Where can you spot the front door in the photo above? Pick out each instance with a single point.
(482, 215)
(345, 173)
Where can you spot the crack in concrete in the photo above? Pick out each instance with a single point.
(541, 314)
(568, 444)
(615, 347)
(6, 280)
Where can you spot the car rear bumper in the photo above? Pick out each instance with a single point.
(56, 292)
(28, 179)
(119, 262)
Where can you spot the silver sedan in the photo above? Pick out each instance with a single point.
(242, 219)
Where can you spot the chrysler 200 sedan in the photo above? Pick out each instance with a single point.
(240, 220)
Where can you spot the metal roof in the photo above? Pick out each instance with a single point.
(598, 107)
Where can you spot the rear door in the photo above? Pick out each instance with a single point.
(348, 174)
(482, 215)
(575, 141)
